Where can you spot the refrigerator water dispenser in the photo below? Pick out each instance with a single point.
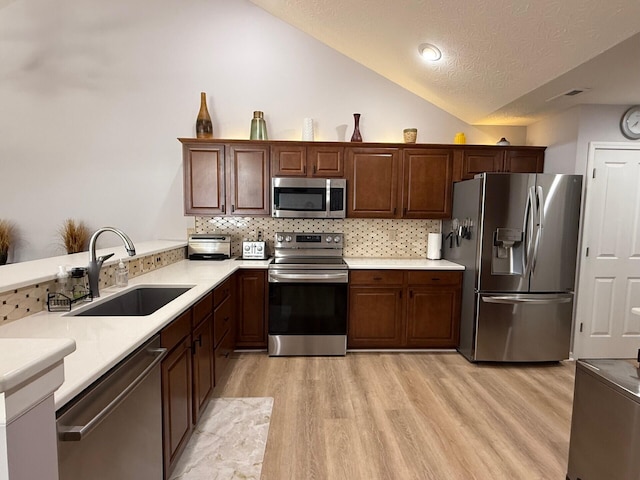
(507, 252)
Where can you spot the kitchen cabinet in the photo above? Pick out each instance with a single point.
(226, 178)
(187, 376)
(404, 309)
(299, 160)
(375, 309)
(433, 308)
(251, 308)
(427, 181)
(472, 160)
(224, 331)
(202, 351)
(372, 179)
(177, 389)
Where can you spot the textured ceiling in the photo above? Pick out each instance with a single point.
(502, 60)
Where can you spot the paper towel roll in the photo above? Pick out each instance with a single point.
(434, 246)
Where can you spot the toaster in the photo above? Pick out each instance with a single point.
(254, 250)
(209, 246)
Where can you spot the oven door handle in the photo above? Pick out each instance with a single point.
(342, 277)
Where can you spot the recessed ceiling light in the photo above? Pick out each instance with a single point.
(430, 52)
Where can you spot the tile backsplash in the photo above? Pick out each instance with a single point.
(363, 237)
(21, 302)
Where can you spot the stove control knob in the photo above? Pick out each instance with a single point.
(288, 238)
(337, 239)
(329, 239)
(247, 248)
(280, 238)
(259, 248)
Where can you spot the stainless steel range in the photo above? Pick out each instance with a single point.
(308, 286)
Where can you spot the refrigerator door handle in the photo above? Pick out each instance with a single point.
(539, 201)
(530, 215)
(531, 301)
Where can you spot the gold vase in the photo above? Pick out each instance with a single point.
(204, 127)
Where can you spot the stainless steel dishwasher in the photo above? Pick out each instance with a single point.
(114, 429)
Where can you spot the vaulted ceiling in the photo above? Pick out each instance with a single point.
(504, 62)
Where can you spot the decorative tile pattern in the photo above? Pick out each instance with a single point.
(16, 304)
(362, 237)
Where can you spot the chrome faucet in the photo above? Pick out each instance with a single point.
(95, 264)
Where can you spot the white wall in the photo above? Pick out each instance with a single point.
(93, 95)
(567, 135)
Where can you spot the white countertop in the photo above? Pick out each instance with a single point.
(21, 359)
(102, 342)
(635, 310)
(401, 263)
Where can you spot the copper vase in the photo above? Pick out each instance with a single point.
(204, 127)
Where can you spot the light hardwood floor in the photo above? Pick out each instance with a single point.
(408, 416)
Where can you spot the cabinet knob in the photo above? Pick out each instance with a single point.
(377, 278)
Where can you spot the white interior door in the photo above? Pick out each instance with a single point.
(609, 278)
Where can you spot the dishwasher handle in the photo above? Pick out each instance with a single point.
(76, 433)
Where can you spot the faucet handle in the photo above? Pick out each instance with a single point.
(104, 257)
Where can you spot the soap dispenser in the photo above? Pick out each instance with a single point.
(122, 275)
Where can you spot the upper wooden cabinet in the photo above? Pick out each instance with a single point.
(249, 180)
(204, 179)
(372, 182)
(475, 159)
(298, 160)
(226, 178)
(427, 183)
(233, 177)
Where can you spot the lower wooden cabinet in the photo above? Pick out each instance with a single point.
(224, 327)
(404, 309)
(202, 351)
(252, 309)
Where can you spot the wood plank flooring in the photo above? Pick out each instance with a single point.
(408, 416)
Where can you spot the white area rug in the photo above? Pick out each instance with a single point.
(228, 442)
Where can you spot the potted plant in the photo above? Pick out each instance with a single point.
(7, 233)
(75, 236)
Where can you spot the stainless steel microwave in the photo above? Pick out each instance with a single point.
(308, 197)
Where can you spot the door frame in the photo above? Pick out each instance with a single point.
(577, 348)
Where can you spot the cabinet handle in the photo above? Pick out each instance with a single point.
(226, 319)
(304, 169)
(410, 293)
(400, 294)
(226, 355)
(394, 210)
(314, 169)
(435, 279)
(193, 345)
(233, 208)
(377, 278)
(404, 211)
(223, 209)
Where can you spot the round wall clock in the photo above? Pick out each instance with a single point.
(630, 123)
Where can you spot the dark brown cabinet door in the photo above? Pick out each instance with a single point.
(326, 161)
(204, 179)
(202, 351)
(372, 175)
(288, 161)
(433, 317)
(427, 183)
(251, 320)
(479, 161)
(524, 161)
(248, 180)
(375, 317)
(177, 401)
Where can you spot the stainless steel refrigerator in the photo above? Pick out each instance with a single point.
(517, 236)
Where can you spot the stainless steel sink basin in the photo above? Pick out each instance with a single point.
(140, 301)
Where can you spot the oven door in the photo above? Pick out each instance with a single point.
(307, 313)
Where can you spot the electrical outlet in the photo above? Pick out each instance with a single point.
(393, 235)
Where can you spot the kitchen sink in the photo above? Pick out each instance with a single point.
(137, 302)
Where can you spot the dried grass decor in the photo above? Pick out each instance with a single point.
(7, 236)
(75, 236)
